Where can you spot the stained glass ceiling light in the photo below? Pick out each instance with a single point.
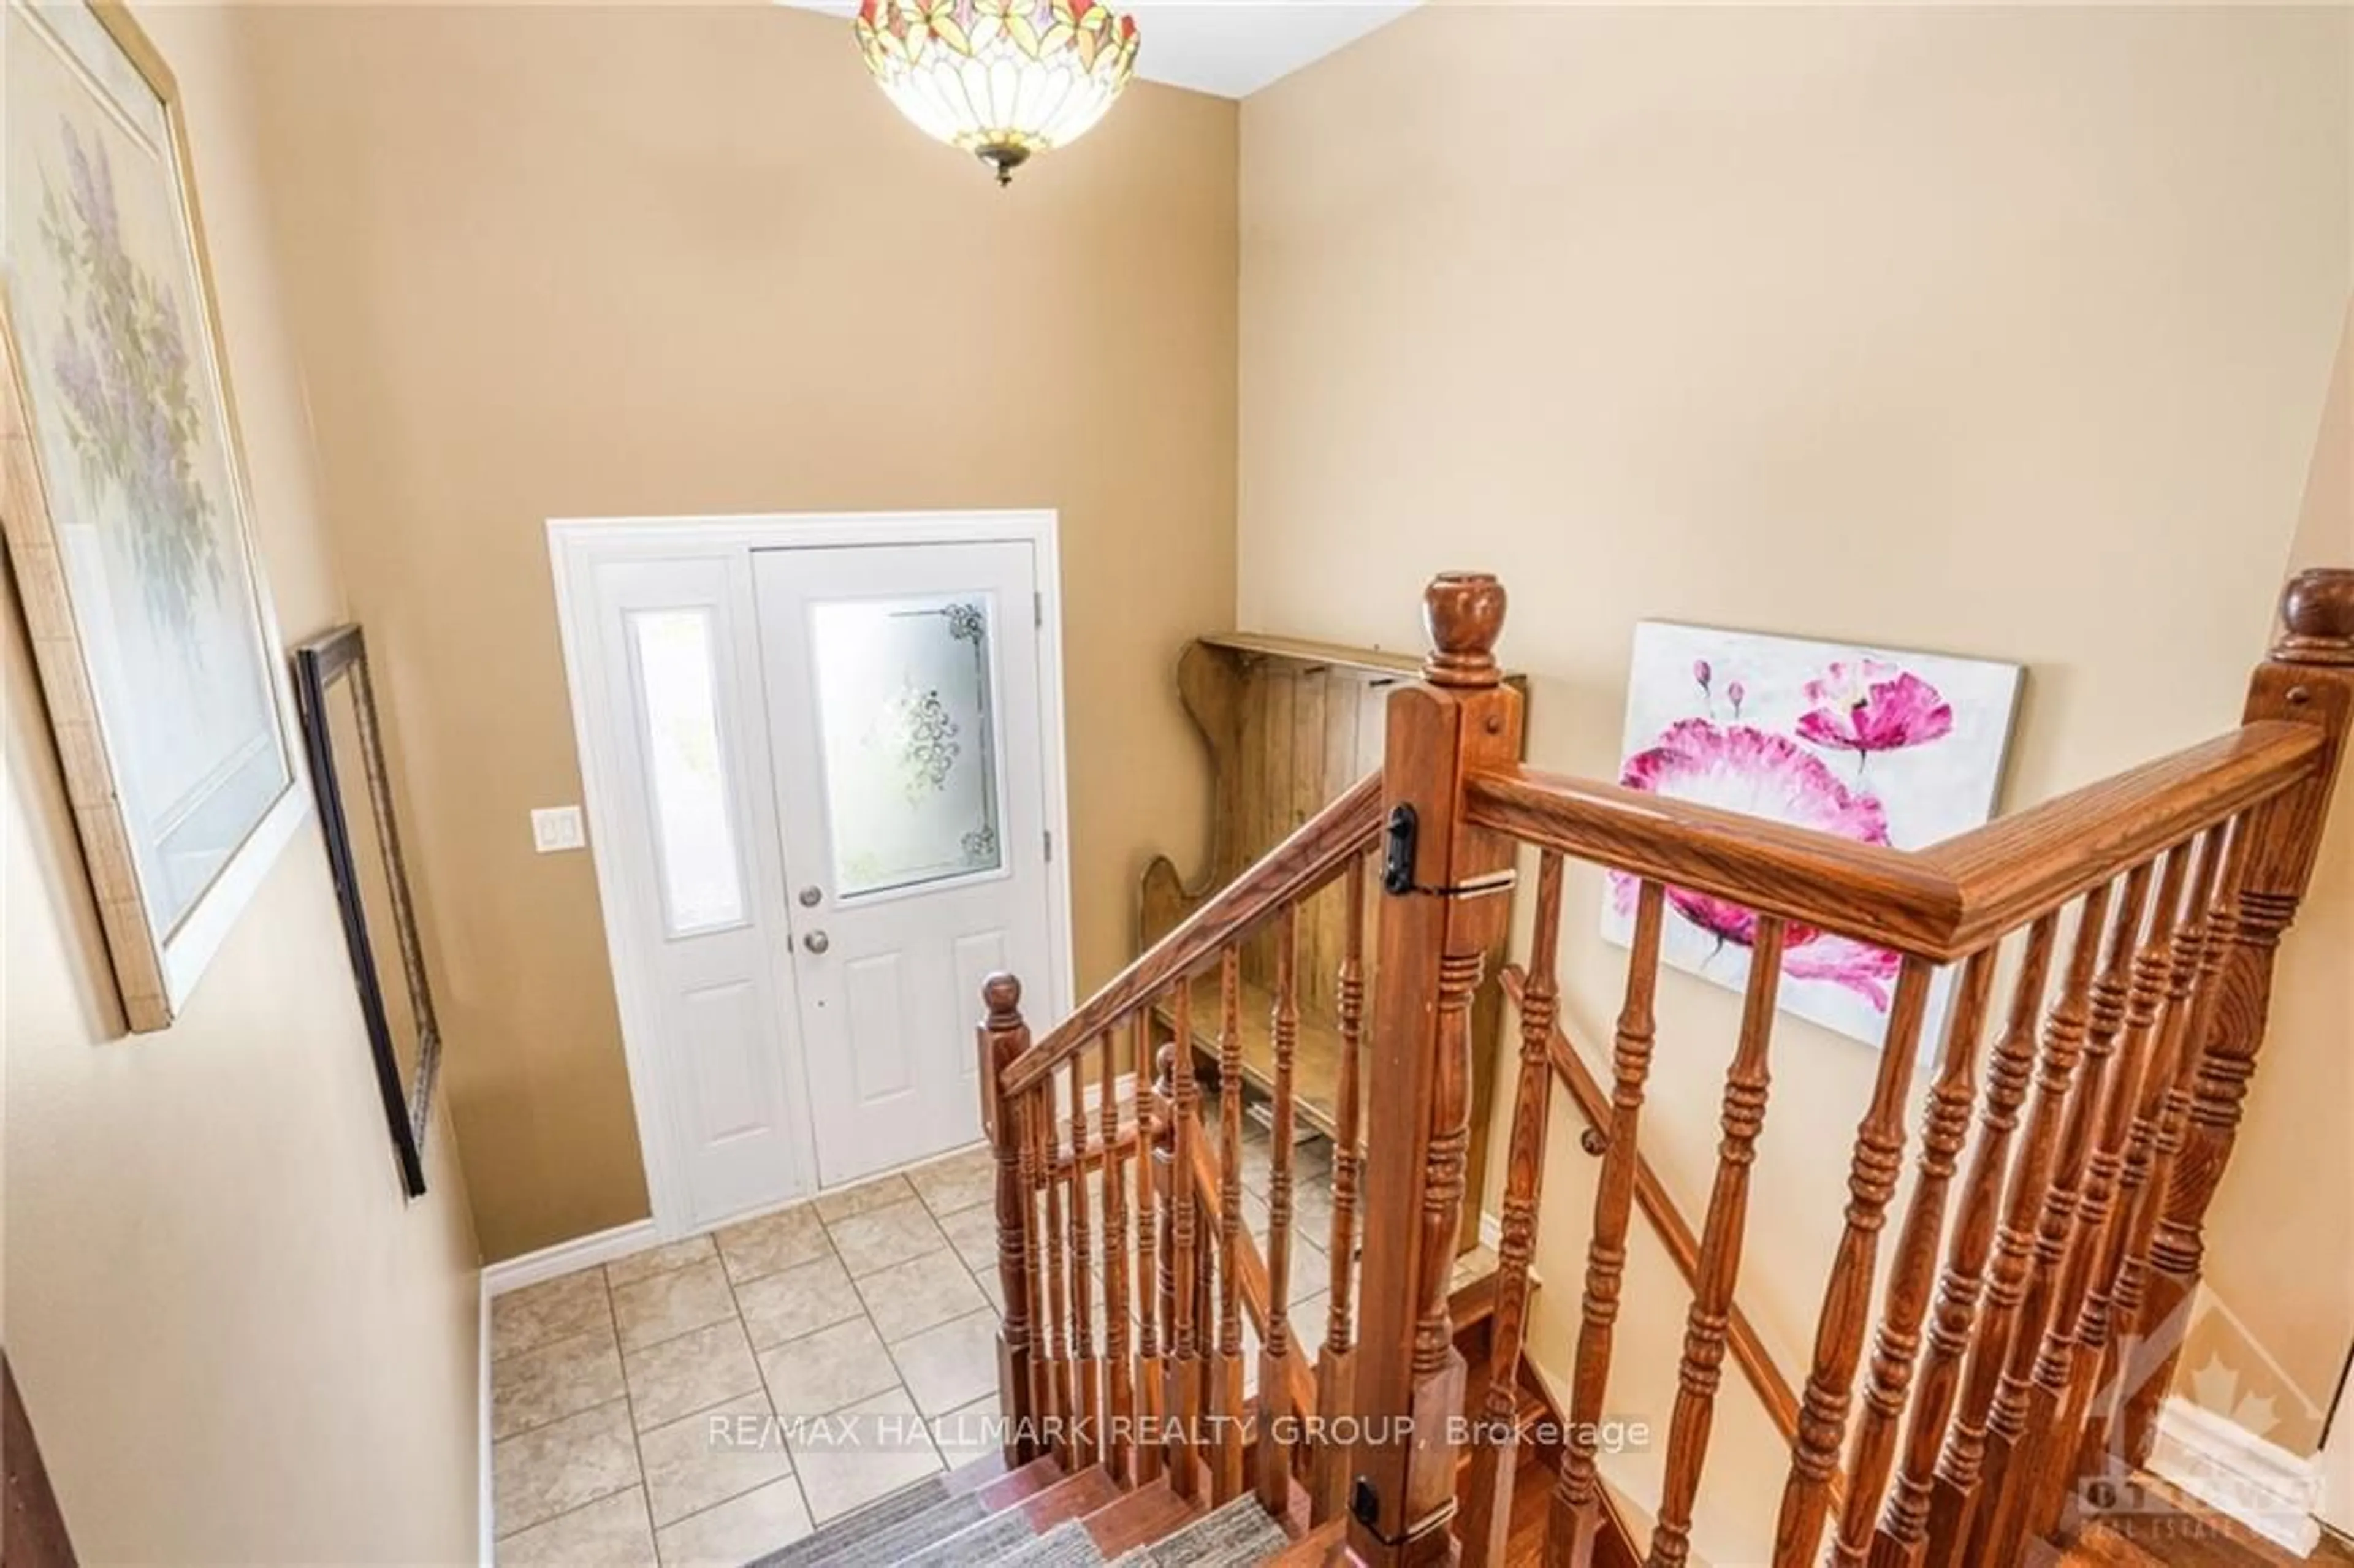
(1001, 79)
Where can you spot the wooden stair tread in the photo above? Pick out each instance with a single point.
(1141, 1518)
(1074, 1496)
(1026, 1482)
(1314, 1548)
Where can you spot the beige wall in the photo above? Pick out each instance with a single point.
(1994, 331)
(238, 1342)
(567, 261)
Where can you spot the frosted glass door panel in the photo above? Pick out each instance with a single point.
(694, 831)
(904, 715)
(907, 719)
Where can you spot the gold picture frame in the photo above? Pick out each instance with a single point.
(124, 503)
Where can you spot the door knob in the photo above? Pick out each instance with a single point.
(810, 896)
(816, 942)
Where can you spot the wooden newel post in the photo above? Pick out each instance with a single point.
(1003, 1036)
(2309, 678)
(1445, 902)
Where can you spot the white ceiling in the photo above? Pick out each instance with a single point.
(1231, 47)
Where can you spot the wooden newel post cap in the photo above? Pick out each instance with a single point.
(1464, 613)
(1003, 994)
(2318, 607)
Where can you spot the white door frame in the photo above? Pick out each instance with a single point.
(577, 546)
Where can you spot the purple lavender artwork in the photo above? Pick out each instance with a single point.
(1892, 749)
(109, 318)
(125, 397)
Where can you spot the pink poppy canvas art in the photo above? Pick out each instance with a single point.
(1872, 745)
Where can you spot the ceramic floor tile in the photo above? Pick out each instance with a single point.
(866, 1196)
(970, 1432)
(917, 1294)
(959, 1181)
(691, 1373)
(668, 1304)
(555, 1469)
(563, 1377)
(862, 1452)
(610, 1532)
(828, 1370)
(656, 1260)
(877, 1238)
(1311, 1270)
(951, 1364)
(710, 1456)
(800, 1300)
(552, 1310)
(973, 1234)
(773, 1243)
(732, 1534)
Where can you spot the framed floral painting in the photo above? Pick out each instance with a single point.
(123, 500)
(1886, 748)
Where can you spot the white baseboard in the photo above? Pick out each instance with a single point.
(564, 1258)
(2258, 1485)
(487, 1528)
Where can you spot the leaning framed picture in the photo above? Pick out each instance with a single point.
(125, 504)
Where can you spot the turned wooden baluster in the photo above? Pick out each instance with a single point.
(2126, 1366)
(1495, 1452)
(2008, 1476)
(1273, 1461)
(1577, 1501)
(2309, 678)
(1002, 1037)
(1151, 1290)
(1906, 1522)
(1118, 1371)
(1328, 1481)
(1225, 1390)
(2125, 1234)
(1087, 1440)
(1058, 1295)
(1945, 1125)
(1742, 1114)
(1955, 1511)
(2055, 1406)
(1839, 1330)
(1448, 908)
(1183, 1398)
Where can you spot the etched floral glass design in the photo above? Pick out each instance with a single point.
(907, 721)
(695, 824)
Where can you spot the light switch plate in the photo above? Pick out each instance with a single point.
(554, 828)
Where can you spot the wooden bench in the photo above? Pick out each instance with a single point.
(1289, 725)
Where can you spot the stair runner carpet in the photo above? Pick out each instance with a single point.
(924, 1527)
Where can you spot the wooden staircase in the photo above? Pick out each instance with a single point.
(1039, 1515)
(2110, 955)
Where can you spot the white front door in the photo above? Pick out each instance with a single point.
(689, 851)
(904, 717)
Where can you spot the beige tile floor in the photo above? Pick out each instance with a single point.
(630, 1404)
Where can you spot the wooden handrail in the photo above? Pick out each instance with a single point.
(1312, 856)
(1675, 1232)
(1939, 903)
(1250, 1270)
(2032, 861)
